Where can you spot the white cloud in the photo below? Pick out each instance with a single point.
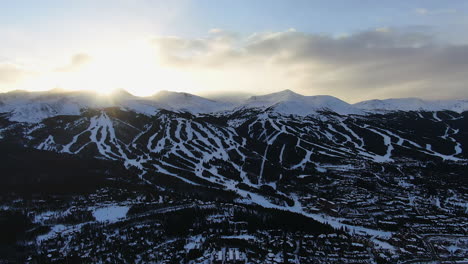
(371, 64)
(379, 63)
(11, 75)
(424, 11)
(77, 61)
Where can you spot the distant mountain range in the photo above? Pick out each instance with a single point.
(378, 171)
(262, 141)
(23, 106)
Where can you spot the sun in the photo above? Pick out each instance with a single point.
(106, 91)
(132, 67)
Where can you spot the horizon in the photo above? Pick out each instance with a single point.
(234, 131)
(355, 52)
(221, 97)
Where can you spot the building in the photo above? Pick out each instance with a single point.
(229, 256)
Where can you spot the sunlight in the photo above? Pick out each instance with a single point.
(105, 92)
(134, 66)
(131, 66)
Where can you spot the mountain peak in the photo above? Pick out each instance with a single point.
(57, 90)
(16, 92)
(284, 95)
(165, 94)
(182, 101)
(412, 104)
(287, 91)
(121, 93)
(289, 102)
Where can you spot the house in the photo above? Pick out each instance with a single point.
(229, 256)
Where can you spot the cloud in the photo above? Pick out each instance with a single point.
(424, 11)
(187, 52)
(32, 77)
(77, 61)
(377, 63)
(11, 74)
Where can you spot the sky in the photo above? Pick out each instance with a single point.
(352, 49)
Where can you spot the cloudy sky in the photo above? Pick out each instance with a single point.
(354, 50)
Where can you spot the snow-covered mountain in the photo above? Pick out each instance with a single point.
(23, 106)
(265, 145)
(352, 168)
(188, 102)
(289, 102)
(413, 104)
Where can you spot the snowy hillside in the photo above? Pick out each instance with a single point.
(289, 102)
(413, 104)
(32, 107)
(188, 102)
(24, 106)
(349, 180)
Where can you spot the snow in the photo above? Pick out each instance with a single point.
(32, 107)
(55, 230)
(453, 248)
(212, 143)
(242, 237)
(414, 104)
(361, 140)
(384, 245)
(322, 218)
(188, 102)
(289, 102)
(110, 213)
(40, 218)
(260, 178)
(194, 242)
(320, 169)
(388, 143)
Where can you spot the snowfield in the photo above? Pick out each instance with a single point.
(111, 213)
(23, 106)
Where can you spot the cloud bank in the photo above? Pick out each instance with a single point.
(11, 74)
(76, 62)
(378, 63)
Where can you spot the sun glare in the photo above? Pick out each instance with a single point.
(131, 66)
(105, 92)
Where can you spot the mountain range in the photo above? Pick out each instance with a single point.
(32, 107)
(360, 168)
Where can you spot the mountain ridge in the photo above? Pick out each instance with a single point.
(340, 171)
(35, 106)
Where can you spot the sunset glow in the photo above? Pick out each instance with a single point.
(179, 46)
